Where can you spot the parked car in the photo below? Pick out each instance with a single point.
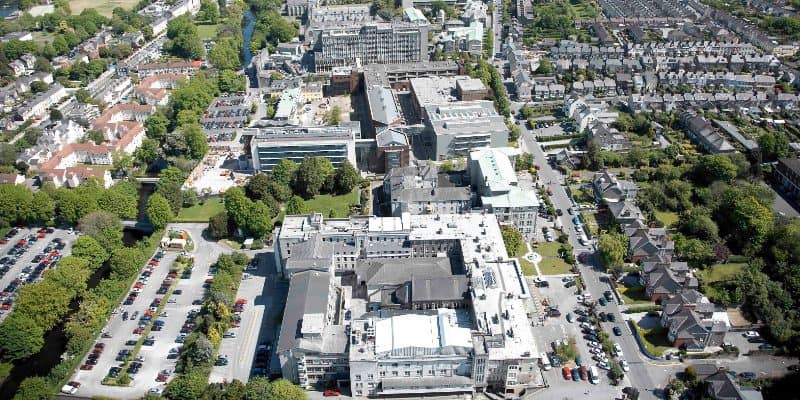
(331, 393)
(617, 331)
(751, 334)
(576, 374)
(567, 373)
(747, 375)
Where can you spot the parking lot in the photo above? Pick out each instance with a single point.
(251, 350)
(25, 258)
(162, 354)
(554, 329)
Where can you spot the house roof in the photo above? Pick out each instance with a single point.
(308, 294)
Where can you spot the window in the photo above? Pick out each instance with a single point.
(358, 377)
(407, 373)
(394, 373)
(370, 376)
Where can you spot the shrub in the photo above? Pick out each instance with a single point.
(258, 244)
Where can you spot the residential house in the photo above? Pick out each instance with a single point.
(611, 190)
(649, 244)
(704, 134)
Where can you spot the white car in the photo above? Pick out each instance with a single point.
(156, 390)
(595, 350)
(751, 334)
(617, 350)
(69, 389)
(624, 365)
(594, 344)
(603, 365)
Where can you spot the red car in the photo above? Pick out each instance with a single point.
(241, 301)
(331, 393)
(152, 262)
(41, 235)
(138, 285)
(87, 367)
(138, 331)
(162, 378)
(5, 306)
(3, 241)
(567, 373)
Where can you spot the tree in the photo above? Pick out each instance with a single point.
(236, 204)
(284, 172)
(231, 82)
(55, 114)
(88, 248)
(283, 389)
(156, 125)
(34, 388)
(333, 116)
(696, 252)
(296, 206)
(545, 67)
(218, 225)
(125, 262)
(20, 337)
(122, 162)
(259, 222)
(513, 240)
(147, 153)
(183, 40)
(697, 223)
(95, 135)
(773, 145)
(280, 191)
(225, 56)
(346, 178)
(209, 11)
(173, 194)
(38, 86)
(715, 167)
(752, 222)
(158, 211)
(311, 175)
(258, 388)
(257, 188)
(104, 227)
(195, 140)
(612, 247)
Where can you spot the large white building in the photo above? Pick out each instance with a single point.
(492, 173)
(457, 128)
(457, 325)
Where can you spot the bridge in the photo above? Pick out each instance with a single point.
(146, 179)
(140, 226)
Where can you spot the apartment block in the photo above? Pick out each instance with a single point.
(271, 144)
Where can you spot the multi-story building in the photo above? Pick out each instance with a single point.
(416, 189)
(370, 43)
(446, 336)
(787, 172)
(467, 39)
(493, 175)
(272, 144)
(457, 128)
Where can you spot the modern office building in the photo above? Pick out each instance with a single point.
(433, 305)
(269, 145)
(370, 43)
(457, 128)
(492, 173)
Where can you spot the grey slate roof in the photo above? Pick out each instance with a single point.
(308, 294)
(438, 289)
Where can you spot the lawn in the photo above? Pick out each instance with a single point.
(655, 339)
(340, 204)
(207, 32)
(548, 249)
(528, 269)
(554, 266)
(584, 9)
(201, 212)
(103, 7)
(591, 222)
(633, 294)
(666, 217)
(720, 272)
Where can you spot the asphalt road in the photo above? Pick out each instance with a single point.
(266, 296)
(643, 374)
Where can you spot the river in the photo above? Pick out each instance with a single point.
(7, 7)
(247, 33)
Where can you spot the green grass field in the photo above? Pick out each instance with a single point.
(655, 340)
(528, 269)
(549, 249)
(720, 272)
(340, 205)
(633, 294)
(554, 266)
(201, 212)
(207, 32)
(104, 7)
(591, 223)
(584, 9)
(666, 217)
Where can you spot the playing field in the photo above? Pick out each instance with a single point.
(104, 7)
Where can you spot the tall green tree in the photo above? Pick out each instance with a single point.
(513, 240)
(612, 247)
(284, 171)
(311, 175)
(347, 177)
(296, 206)
(158, 211)
(88, 248)
(20, 337)
(104, 227)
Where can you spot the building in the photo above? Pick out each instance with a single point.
(468, 39)
(492, 174)
(721, 385)
(185, 68)
(457, 128)
(462, 328)
(434, 90)
(787, 172)
(609, 189)
(70, 167)
(370, 43)
(36, 106)
(383, 109)
(392, 150)
(270, 145)
(418, 189)
(703, 134)
(312, 346)
(154, 89)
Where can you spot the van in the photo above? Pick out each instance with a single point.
(545, 361)
(594, 376)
